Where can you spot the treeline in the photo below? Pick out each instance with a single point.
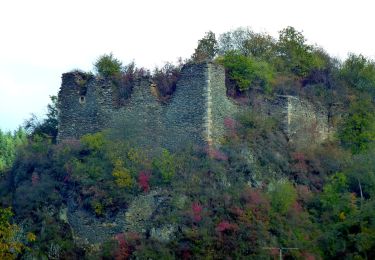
(9, 142)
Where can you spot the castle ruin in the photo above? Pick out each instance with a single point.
(193, 115)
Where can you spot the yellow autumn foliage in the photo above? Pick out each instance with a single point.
(122, 175)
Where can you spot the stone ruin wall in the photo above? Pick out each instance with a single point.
(194, 115)
(301, 120)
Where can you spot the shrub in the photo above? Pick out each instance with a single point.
(144, 181)
(122, 175)
(165, 165)
(282, 194)
(124, 83)
(165, 79)
(107, 66)
(9, 246)
(247, 72)
(94, 142)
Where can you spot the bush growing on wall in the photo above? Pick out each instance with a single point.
(107, 66)
(124, 83)
(166, 78)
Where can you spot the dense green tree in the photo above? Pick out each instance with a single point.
(261, 46)
(358, 129)
(247, 72)
(347, 224)
(282, 195)
(206, 49)
(359, 73)
(8, 146)
(296, 56)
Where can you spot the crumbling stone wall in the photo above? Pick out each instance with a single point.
(194, 114)
(302, 121)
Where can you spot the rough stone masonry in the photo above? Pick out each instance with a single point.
(194, 115)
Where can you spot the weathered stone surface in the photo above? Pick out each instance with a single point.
(193, 115)
(302, 121)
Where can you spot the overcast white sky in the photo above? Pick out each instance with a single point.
(41, 39)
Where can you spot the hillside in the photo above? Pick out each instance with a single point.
(252, 146)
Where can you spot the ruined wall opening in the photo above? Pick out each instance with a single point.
(82, 99)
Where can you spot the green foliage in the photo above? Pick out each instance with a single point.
(98, 208)
(8, 147)
(94, 142)
(165, 165)
(358, 130)
(359, 73)
(348, 227)
(247, 72)
(206, 49)
(89, 170)
(107, 66)
(282, 195)
(361, 174)
(331, 195)
(260, 46)
(296, 56)
(266, 192)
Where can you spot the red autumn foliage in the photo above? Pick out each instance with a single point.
(224, 225)
(257, 203)
(122, 251)
(35, 178)
(144, 180)
(300, 161)
(304, 193)
(297, 208)
(197, 208)
(186, 255)
(237, 212)
(298, 156)
(254, 196)
(216, 154)
(230, 123)
(308, 256)
(275, 252)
